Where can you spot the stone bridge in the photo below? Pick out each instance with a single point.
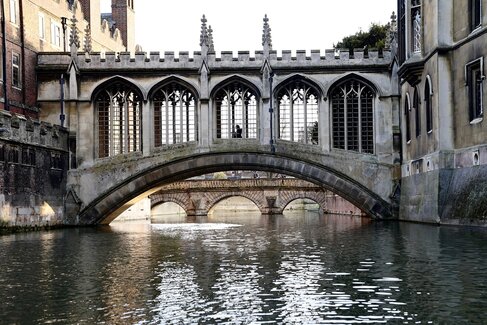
(137, 123)
(271, 196)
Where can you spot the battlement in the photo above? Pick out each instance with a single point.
(18, 128)
(225, 59)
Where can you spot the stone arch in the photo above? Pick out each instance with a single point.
(238, 79)
(288, 197)
(218, 197)
(180, 199)
(106, 206)
(352, 76)
(299, 77)
(170, 79)
(130, 84)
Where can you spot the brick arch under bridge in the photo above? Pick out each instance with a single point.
(270, 196)
(132, 186)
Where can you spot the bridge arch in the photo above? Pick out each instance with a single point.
(108, 205)
(257, 201)
(318, 199)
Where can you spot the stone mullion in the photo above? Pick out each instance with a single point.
(359, 103)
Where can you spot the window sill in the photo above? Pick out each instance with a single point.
(476, 121)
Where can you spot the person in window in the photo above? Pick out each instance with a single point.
(238, 131)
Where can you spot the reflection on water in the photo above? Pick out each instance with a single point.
(241, 269)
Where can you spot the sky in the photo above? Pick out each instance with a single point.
(237, 25)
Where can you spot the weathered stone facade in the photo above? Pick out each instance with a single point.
(445, 153)
(33, 166)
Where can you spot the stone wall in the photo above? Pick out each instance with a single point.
(33, 167)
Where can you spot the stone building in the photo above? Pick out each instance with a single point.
(441, 54)
(33, 26)
(34, 154)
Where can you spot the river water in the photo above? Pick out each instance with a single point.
(301, 268)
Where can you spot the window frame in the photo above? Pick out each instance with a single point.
(16, 80)
(475, 116)
(475, 14)
(42, 26)
(56, 31)
(416, 35)
(13, 4)
(417, 112)
(354, 108)
(428, 104)
(407, 117)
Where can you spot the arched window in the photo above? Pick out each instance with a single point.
(427, 106)
(236, 112)
(298, 113)
(407, 117)
(417, 112)
(119, 120)
(174, 115)
(353, 117)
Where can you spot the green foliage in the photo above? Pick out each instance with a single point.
(374, 38)
(219, 175)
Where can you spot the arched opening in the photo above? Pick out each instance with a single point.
(118, 108)
(109, 204)
(298, 111)
(167, 212)
(352, 114)
(301, 205)
(174, 114)
(236, 109)
(417, 111)
(407, 118)
(428, 94)
(233, 205)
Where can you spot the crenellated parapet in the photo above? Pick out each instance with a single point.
(23, 130)
(225, 59)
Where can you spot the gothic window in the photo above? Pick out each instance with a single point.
(352, 105)
(298, 113)
(174, 115)
(475, 13)
(427, 105)
(416, 25)
(407, 118)
(474, 80)
(417, 112)
(236, 112)
(119, 121)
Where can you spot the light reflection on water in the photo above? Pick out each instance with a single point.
(241, 269)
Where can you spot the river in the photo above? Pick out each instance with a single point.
(301, 268)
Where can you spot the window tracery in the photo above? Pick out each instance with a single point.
(174, 115)
(236, 112)
(298, 113)
(416, 25)
(119, 121)
(353, 117)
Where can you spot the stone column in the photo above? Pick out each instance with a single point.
(147, 129)
(205, 126)
(324, 123)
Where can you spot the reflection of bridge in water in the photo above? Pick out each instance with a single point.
(271, 196)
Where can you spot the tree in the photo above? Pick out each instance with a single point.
(374, 38)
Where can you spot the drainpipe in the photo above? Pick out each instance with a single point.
(22, 50)
(271, 112)
(4, 58)
(62, 116)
